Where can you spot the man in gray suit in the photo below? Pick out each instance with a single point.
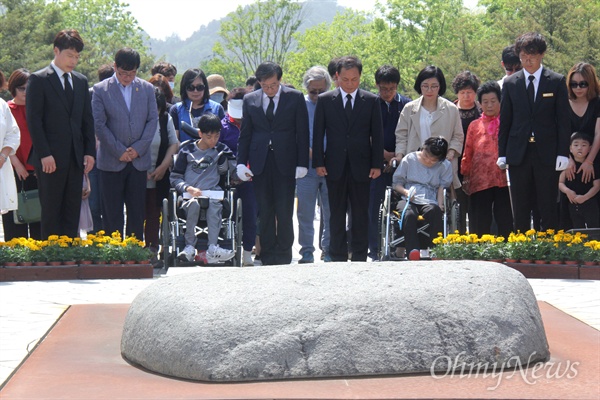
(125, 118)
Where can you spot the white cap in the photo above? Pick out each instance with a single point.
(234, 108)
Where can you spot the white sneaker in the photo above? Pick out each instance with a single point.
(216, 254)
(187, 254)
(247, 260)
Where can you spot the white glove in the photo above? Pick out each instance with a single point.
(501, 163)
(301, 172)
(411, 193)
(243, 172)
(561, 163)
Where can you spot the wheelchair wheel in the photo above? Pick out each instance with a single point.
(384, 227)
(165, 233)
(239, 250)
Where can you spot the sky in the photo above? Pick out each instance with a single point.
(160, 19)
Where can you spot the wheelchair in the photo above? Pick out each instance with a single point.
(391, 238)
(174, 225)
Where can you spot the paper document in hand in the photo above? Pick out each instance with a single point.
(213, 194)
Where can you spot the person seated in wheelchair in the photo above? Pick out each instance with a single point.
(421, 179)
(199, 166)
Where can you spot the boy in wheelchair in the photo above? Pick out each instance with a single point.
(421, 179)
(199, 166)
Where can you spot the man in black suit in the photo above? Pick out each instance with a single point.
(59, 117)
(274, 142)
(350, 119)
(534, 133)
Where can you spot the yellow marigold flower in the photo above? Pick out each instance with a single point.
(530, 232)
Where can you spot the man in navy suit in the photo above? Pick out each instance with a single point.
(534, 133)
(350, 119)
(126, 120)
(60, 121)
(273, 147)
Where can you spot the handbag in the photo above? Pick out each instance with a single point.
(29, 207)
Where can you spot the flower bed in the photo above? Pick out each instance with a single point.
(60, 257)
(98, 248)
(546, 254)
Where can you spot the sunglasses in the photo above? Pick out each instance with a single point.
(198, 88)
(21, 88)
(575, 85)
(512, 69)
(316, 92)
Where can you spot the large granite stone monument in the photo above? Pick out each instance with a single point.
(334, 320)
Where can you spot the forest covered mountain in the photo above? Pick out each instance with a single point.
(190, 52)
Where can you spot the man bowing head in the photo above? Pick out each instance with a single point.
(273, 149)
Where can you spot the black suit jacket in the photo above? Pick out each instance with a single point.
(56, 130)
(288, 133)
(548, 119)
(360, 139)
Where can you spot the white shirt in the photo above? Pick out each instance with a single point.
(425, 119)
(60, 73)
(345, 98)
(265, 100)
(536, 83)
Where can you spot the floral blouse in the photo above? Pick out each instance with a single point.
(478, 164)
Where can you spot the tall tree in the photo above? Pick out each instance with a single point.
(259, 32)
(425, 24)
(105, 27)
(571, 28)
(27, 30)
(350, 33)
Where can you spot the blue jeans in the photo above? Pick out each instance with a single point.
(308, 189)
(376, 198)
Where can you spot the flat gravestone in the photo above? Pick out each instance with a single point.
(335, 320)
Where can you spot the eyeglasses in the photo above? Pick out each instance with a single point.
(317, 92)
(384, 89)
(575, 85)
(269, 87)
(127, 74)
(197, 88)
(21, 88)
(427, 88)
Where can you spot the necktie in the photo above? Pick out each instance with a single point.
(531, 90)
(348, 107)
(270, 109)
(68, 90)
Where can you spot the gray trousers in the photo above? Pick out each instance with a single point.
(213, 220)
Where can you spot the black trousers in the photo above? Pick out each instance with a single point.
(534, 180)
(584, 215)
(126, 187)
(12, 230)
(275, 199)
(433, 215)
(485, 203)
(342, 192)
(60, 198)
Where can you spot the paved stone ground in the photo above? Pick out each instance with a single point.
(29, 309)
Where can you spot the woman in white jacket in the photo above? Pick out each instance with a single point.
(9, 142)
(430, 116)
